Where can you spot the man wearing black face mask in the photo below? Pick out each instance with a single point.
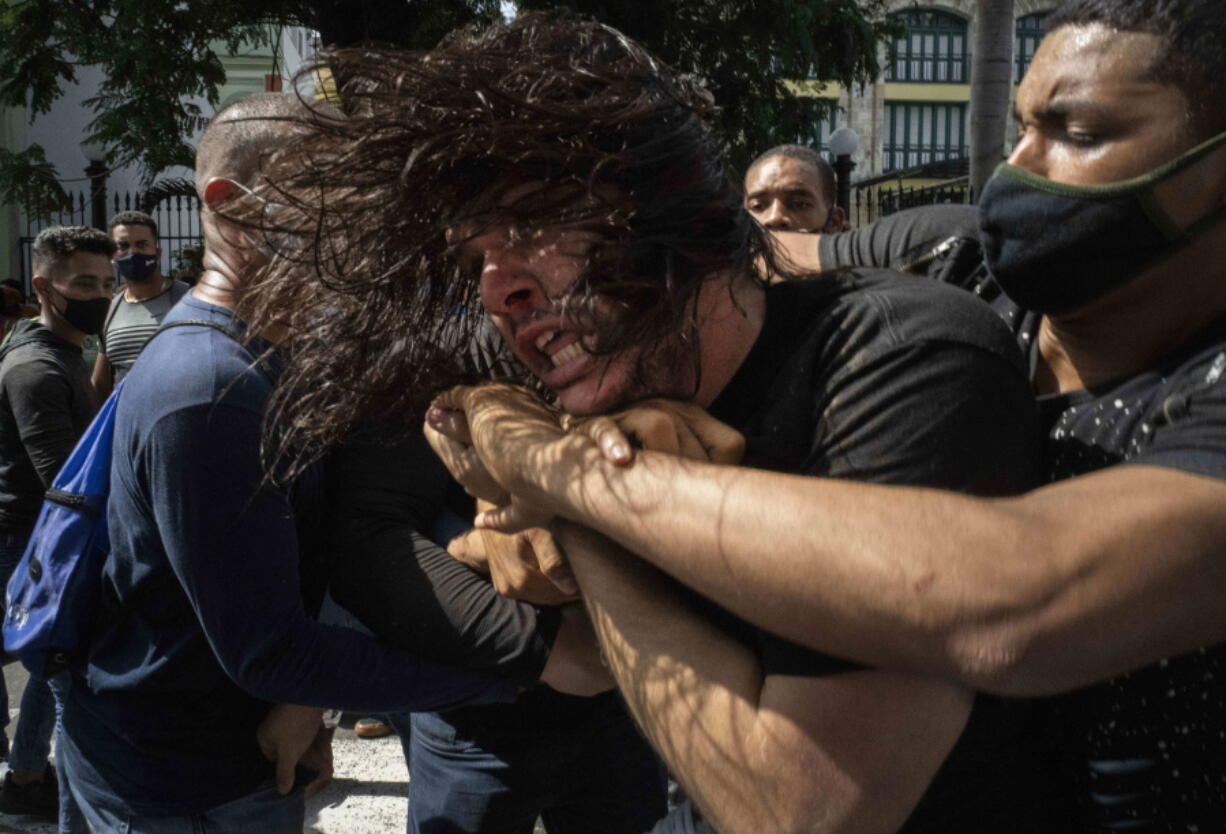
(145, 299)
(45, 404)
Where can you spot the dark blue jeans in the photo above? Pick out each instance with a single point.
(39, 713)
(593, 775)
(31, 741)
(683, 820)
(264, 811)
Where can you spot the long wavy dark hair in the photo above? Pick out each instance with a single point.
(377, 307)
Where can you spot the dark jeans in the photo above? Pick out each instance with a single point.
(40, 709)
(31, 741)
(683, 820)
(266, 811)
(594, 775)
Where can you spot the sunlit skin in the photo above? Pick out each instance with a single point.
(785, 195)
(1090, 113)
(84, 276)
(521, 283)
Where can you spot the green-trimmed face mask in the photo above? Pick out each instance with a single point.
(1055, 247)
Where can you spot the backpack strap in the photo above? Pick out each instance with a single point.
(220, 328)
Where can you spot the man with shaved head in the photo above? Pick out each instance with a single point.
(205, 616)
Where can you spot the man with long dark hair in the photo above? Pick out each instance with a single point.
(1107, 235)
(575, 190)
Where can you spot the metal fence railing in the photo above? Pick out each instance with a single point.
(177, 217)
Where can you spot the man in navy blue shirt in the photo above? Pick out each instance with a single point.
(203, 624)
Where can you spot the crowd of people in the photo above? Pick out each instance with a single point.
(501, 410)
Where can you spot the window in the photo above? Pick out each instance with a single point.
(1030, 31)
(920, 132)
(933, 49)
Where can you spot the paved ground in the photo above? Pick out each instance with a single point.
(366, 797)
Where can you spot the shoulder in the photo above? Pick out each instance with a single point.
(190, 364)
(884, 310)
(31, 367)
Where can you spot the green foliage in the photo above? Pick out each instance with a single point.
(163, 71)
(746, 52)
(27, 178)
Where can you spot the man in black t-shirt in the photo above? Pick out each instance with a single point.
(46, 403)
(1107, 235)
(871, 377)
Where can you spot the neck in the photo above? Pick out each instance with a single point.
(220, 286)
(143, 290)
(731, 311)
(1126, 331)
(59, 327)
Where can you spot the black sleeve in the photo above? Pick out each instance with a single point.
(934, 414)
(405, 588)
(939, 241)
(41, 399)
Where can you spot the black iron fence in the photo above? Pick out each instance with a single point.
(887, 194)
(177, 217)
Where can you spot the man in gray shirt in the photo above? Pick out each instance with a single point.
(138, 309)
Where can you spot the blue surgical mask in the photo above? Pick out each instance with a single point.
(1055, 247)
(135, 267)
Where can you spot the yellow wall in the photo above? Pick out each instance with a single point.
(815, 89)
(910, 91)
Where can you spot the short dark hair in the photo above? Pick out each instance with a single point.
(243, 133)
(804, 153)
(1194, 37)
(133, 218)
(56, 244)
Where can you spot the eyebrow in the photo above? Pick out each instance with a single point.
(790, 192)
(1062, 107)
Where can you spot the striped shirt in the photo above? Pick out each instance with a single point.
(130, 324)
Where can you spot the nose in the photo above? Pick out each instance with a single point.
(1028, 153)
(776, 217)
(508, 287)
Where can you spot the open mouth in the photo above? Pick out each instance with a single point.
(559, 348)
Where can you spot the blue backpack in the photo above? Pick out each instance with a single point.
(52, 595)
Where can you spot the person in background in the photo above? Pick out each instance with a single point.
(144, 299)
(791, 188)
(46, 403)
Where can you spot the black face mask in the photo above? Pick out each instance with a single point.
(85, 316)
(1055, 247)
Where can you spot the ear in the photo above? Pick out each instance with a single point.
(40, 284)
(219, 190)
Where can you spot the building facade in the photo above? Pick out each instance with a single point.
(918, 112)
(61, 131)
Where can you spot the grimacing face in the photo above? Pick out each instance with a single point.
(785, 195)
(521, 281)
(1089, 111)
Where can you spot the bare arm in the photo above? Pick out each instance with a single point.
(845, 752)
(103, 377)
(1062, 587)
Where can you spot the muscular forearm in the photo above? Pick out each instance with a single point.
(1031, 595)
(761, 752)
(694, 693)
